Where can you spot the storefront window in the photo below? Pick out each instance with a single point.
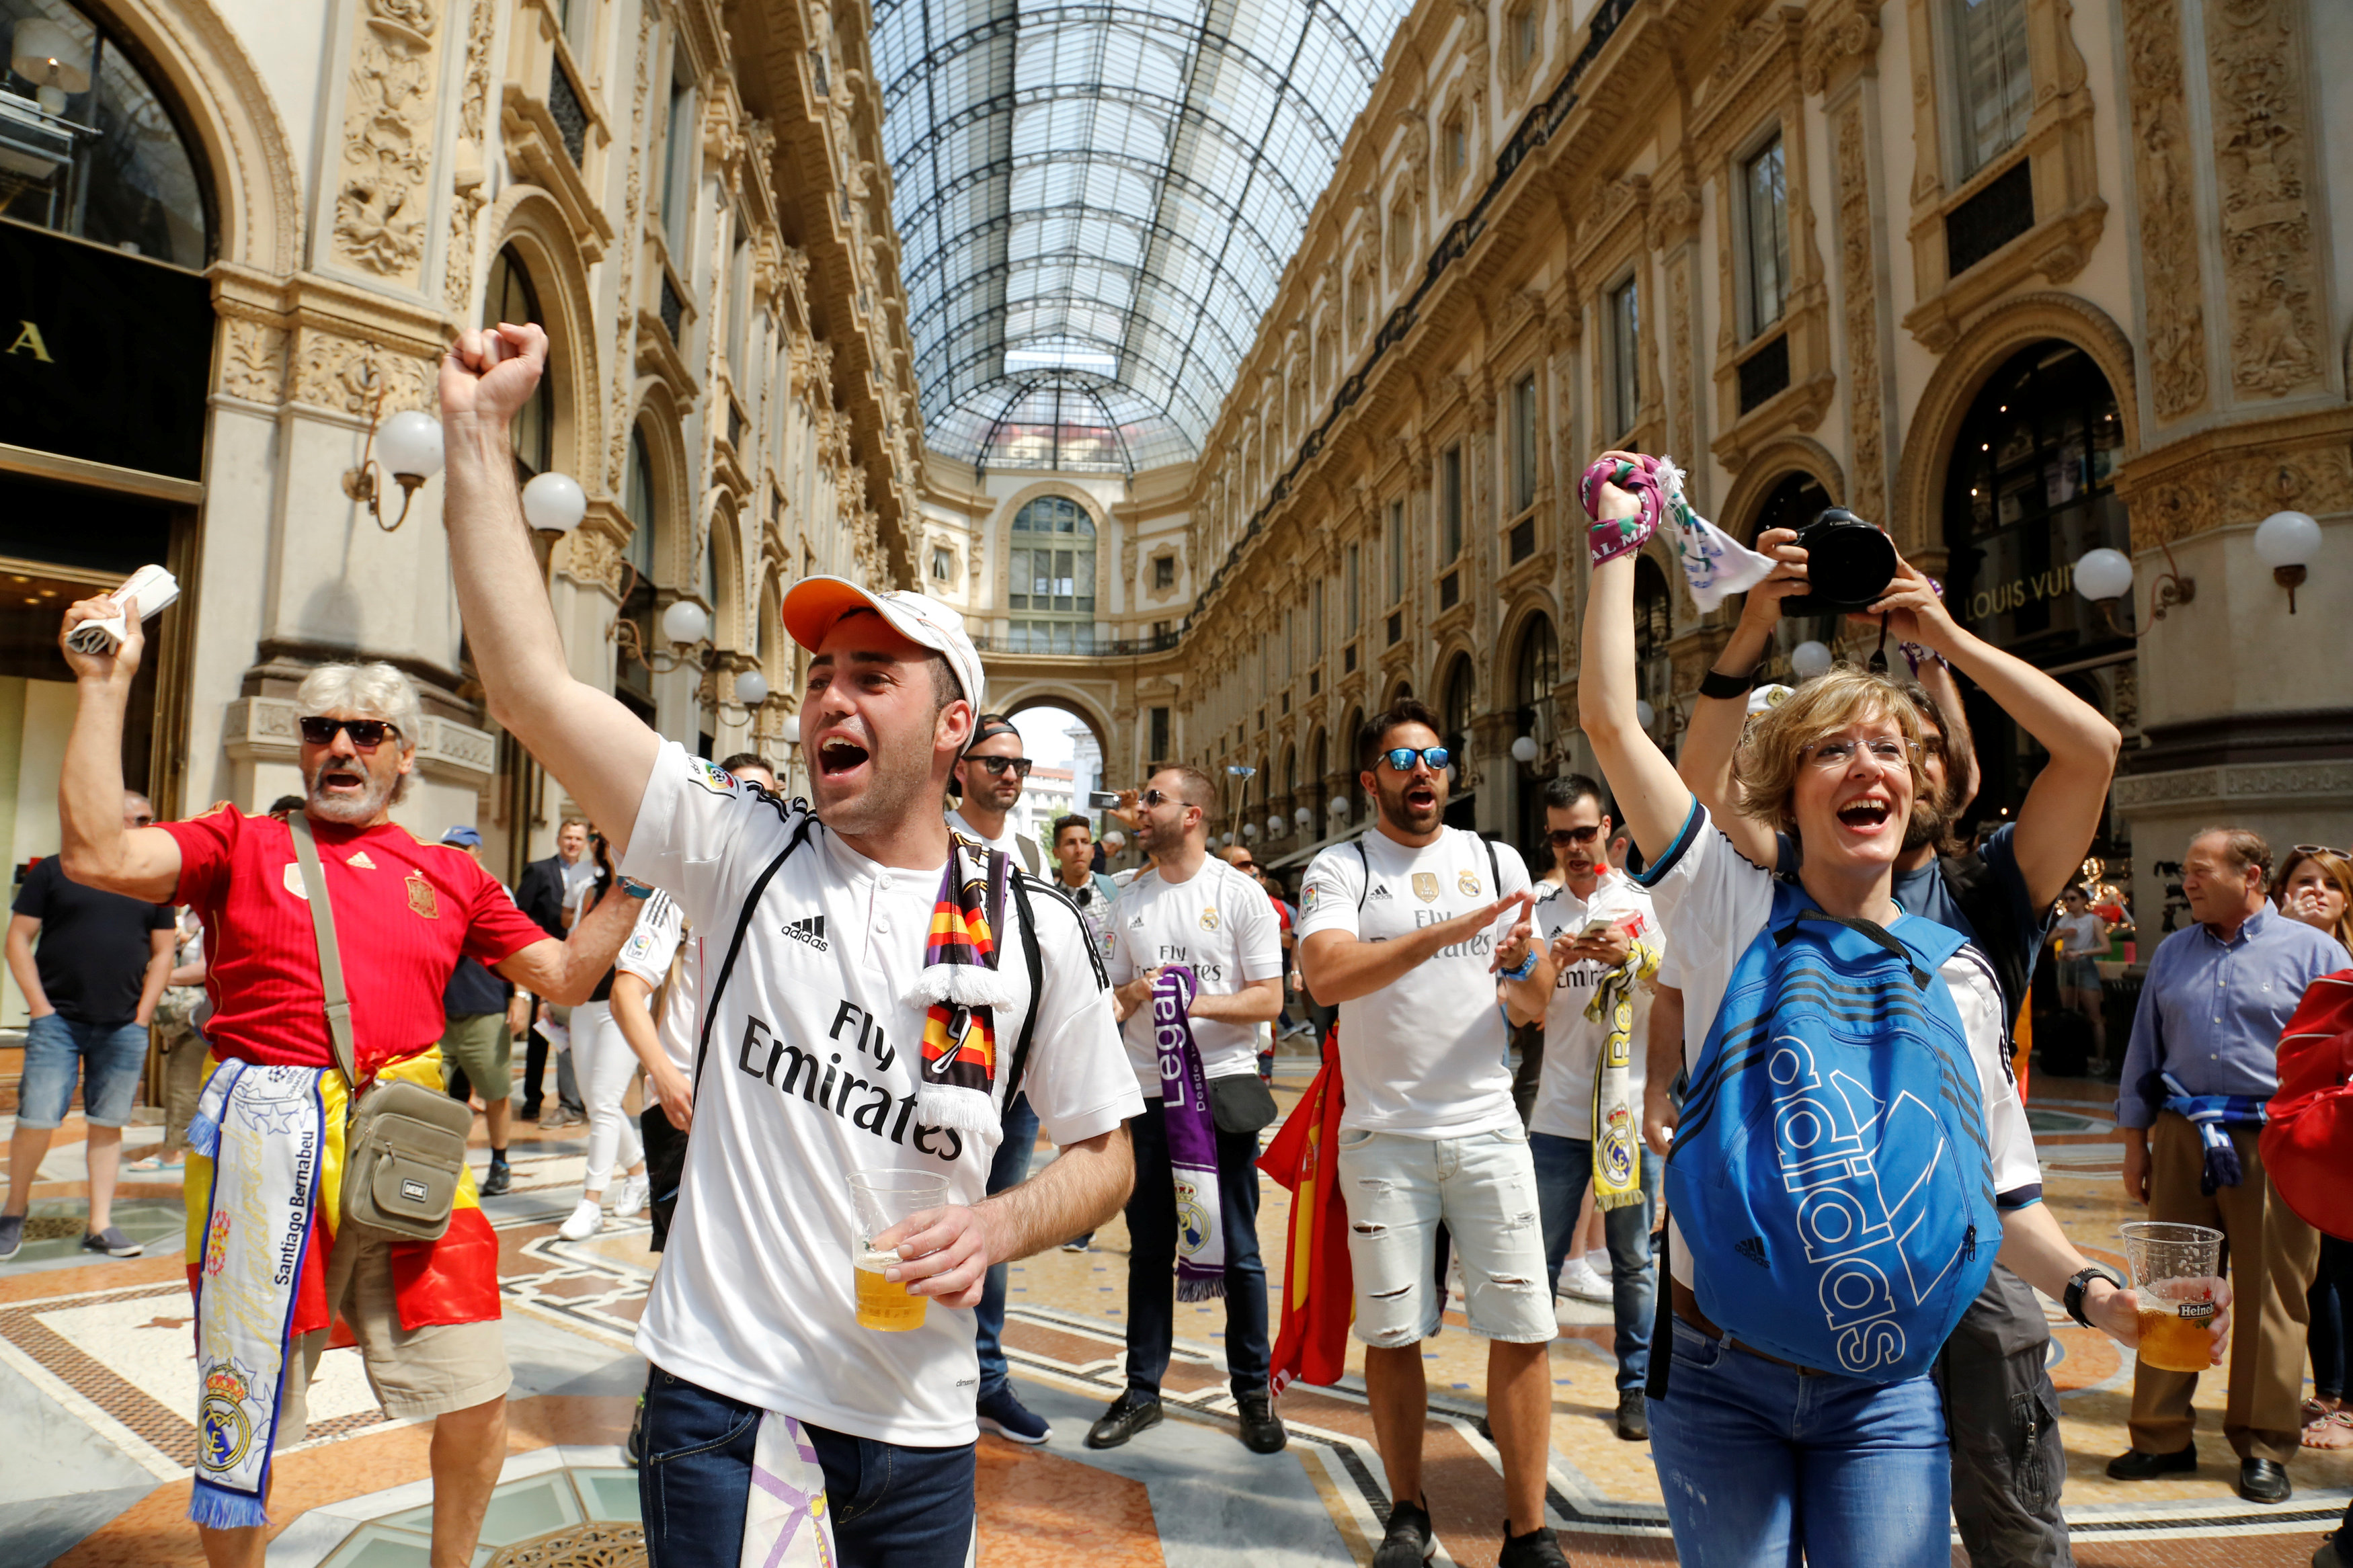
(510, 298)
(87, 147)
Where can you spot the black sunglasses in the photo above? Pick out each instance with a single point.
(996, 765)
(1561, 838)
(366, 735)
(1402, 758)
(1156, 798)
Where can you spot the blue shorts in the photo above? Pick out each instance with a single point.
(2079, 975)
(110, 1058)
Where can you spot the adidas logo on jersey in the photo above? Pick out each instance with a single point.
(1380, 891)
(809, 928)
(1752, 1249)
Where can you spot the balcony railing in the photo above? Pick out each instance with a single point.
(1115, 647)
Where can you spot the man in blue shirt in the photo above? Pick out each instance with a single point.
(2217, 994)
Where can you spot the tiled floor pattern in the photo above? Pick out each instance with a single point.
(98, 1353)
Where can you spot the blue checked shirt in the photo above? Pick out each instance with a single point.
(2211, 1011)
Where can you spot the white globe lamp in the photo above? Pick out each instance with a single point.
(685, 622)
(1809, 658)
(1644, 714)
(410, 446)
(2289, 542)
(1338, 806)
(751, 689)
(553, 503)
(2104, 574)
(1524, 749)
(1304, 815)
(792, 728)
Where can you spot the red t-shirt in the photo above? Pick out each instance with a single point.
(405, 912)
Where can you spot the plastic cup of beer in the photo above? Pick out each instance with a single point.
(882, 1199)
(2174, 1267)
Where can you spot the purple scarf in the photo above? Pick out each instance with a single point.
(1192, 1138)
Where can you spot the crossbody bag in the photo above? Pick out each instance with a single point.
(404, 1143)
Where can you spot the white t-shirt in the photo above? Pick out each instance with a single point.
(1218, 923)
(1024, 852)
(1572, 1046)
(1712, 902)
(812, 1075)
(653, 942)
(1427, 1055)
(2082, 932)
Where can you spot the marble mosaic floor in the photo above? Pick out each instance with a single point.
(95, 1368)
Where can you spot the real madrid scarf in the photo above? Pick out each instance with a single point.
(264, 1128)
(2214, 1115)
(1617, 1116)
(1192, 1137)
(961, 989)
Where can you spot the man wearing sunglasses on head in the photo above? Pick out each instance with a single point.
(406, 911)
(1603, 948)
(988, 779)
(1407, 927)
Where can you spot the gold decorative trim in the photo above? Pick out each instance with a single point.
(104, 476)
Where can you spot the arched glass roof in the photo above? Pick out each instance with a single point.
(1095, 203)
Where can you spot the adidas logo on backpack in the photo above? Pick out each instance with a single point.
(1835, 1138)
(809, 928)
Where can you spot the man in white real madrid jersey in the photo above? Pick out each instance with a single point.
(1600, 936)
(1193, 909)
(1406, 929)
(811, 1059)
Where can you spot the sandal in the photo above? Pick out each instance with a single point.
(2334, 1430)
(156, 1163)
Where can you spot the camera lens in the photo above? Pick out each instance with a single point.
(1849, 563)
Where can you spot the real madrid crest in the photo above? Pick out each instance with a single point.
(1469, 882)
(1209, 918)
(1425, 886)
(421, 902)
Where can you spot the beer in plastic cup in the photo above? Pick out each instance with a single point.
(883, 1198)
(2174, 1267)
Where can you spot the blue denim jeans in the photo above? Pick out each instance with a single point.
(109, 1059)
(892, 1507)
(1761, 1464)
(1564, 1169)
(1010, 1168)
(1151, 1256)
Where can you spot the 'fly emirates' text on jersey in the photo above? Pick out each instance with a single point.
(1219, 924)
(1572, 1046)
(807, 1072)
(1425, 1057)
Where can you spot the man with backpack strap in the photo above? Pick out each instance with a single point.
(868, 1005)
(1406, 929)
(2009, 1461)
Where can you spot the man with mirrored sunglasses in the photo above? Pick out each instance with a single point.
(987, 781)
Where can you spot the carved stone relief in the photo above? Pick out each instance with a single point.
(458, 267)
(617, 454)
(381, 202)
(2261, 149)
(1682, 414)
(1858, 277)
(253, 360)
(337, 373)
(2172, 297)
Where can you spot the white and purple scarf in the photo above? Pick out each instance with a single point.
(1192, 1138)
(786, 1522)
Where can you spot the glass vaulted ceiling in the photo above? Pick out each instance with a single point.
(1095, 203)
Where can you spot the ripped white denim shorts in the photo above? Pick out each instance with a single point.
(1484, 1187)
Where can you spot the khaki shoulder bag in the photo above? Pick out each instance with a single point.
(404, 1143)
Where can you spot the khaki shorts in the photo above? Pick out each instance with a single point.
(415, 1372)
(478, 1045)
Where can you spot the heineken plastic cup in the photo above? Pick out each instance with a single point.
(2175, 1268)
(882, 1199)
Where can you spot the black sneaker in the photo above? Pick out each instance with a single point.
(1409, 1542)
(499, 1179)
(1633, 1416)
(1131, 1413)
(1262, 1430)
(12, 1235)
(2134, 1464)
(112, 1242)
(1537, 1549)
(633, 1447)
(1004, 1414)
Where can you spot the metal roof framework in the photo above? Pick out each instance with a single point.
(1095, 203)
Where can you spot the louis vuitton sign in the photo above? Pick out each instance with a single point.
(103, 356)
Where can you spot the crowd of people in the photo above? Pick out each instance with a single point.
(1778, 1054)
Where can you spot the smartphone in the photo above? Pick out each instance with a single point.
(1101, 798)
(1600, 926)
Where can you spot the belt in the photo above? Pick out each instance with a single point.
(1686, 1307)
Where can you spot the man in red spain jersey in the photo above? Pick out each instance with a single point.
(425, 1313)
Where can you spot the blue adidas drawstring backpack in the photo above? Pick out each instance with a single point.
(1831, 1172)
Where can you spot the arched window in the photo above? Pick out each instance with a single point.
(1533, 674)
(511, 298)
(1319, 766)
(633, 683)
(1051, 586)
(91, 148)
(1455, 711)
(1654, 625)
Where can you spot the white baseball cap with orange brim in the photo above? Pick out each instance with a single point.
(814, 605)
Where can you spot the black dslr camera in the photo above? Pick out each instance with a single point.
(1849, 564)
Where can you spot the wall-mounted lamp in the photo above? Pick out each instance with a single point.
(1249, 831)
(685, 625)
(1524, 749)
(792, 728)
(552, 503)
(1337, 808)
(2103, 576)
(1809, 658)
(411, 443)
(1644, 714)
(751, 691)
(1275, 827)
(2286, 542)
(1304, 815)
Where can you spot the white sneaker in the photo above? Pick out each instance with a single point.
(632, 1199)
(1579, 1280)
(586, 1220)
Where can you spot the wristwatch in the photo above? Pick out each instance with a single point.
(2074, 1300)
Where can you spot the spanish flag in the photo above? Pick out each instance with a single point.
(1319, 1285)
